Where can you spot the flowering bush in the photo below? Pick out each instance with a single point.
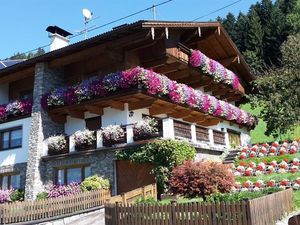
(16, 108)
(57, 143)
(63, 190)
(84, 137)
(113, 133)
(5, 195)
(145, 127)
(201, 179)
(154, 84)
(213, 68)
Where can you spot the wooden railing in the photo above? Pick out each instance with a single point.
(132, 196)
(19, 212)
(262, 211)
(182, 129)
(202, 134)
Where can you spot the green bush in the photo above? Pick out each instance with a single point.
(42, 195)
(164, 155)
(146, 200)
(17, 195)
(94, 183)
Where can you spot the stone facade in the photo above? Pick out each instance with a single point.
(19, 168)
(100, 161)
(41, 126)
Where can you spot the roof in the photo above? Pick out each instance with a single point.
(9, 62)
(115, 33)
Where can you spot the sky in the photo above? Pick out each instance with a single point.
(23, 23)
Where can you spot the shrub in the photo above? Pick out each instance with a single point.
(94, 183)
(42, 195)
(63, 190)
(5, 195)
(201, 179)
(57, 143)
(164, 155)
(17, 195)
(146, 200)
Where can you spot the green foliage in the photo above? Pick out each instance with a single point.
(42, 195)
(293, 18)
(146, 200)
(30, 55)
(17, 195)
(296, 197)
(278, 92)
(240, 196)
(164, 155)
(94, 183)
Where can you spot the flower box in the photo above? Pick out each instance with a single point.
(85, 140)
(52, 151)
(57, 145)
(112, 135)
(145, 129)
(146, 136)
(110, 143)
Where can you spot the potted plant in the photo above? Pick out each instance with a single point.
(57, 145)
(112, 134)
(85, 140)
(145, 128)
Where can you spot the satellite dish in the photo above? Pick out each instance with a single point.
(87, 14)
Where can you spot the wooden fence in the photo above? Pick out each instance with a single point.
(50, 208)
(261, 211)
(131, 196)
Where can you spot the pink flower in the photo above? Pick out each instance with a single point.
(195, 58)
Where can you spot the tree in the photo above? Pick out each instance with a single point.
(30, 55)
(278, 92)
(241, 27)
(229, 25)
(293, 18)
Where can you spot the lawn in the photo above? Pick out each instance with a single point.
(258, 134)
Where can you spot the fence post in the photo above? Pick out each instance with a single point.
(249, 212)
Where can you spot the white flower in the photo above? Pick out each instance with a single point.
(113, 132)
(84, 137)
(145, 127)
(57, 143)
(296, 186)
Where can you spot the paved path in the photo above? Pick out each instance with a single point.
(285, 220)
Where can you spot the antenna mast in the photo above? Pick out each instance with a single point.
(153, 9)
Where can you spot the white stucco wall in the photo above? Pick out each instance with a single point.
(18, 155)
(3, 94)
(73, 124)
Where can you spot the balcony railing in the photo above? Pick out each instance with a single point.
(168, 128)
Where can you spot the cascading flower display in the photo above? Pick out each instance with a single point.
(214, 69)
(15, 108)
(155, 84)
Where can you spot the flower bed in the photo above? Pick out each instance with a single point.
(155, 84)
(214, 69)
(15, 109)
(274, 149)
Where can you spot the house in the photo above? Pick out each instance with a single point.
(159, 50)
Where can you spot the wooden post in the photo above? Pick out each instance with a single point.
(249, 213)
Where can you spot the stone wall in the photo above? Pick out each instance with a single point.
(101, 162)
(19, 168)
(41, 126)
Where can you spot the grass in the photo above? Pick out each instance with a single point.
(296, 195)
(258, 134)
(267, 177)
(269, 159)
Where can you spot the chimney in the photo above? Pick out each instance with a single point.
(58, 37)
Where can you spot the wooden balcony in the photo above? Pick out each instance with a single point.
(168, 128)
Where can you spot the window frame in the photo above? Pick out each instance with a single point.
(65, 173)
(9, 175)
(231, 134)
(10, 130)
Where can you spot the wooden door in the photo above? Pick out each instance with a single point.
(132, 175)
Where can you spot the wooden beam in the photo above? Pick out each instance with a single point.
(220, 91)
(141, 104)
(179, 74)
(17, 75)
(116, 105)
(156, 110)
(227, 61)
(165, 69)
(180, 114)
(76, 114)
(94, 109)
(201, 83)
(210, 122)
(153, 63)
(58, 118)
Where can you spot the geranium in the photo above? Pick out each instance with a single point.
(243, 155)
(275, 144)
(283, 164)
(273, 163)
(296, 186)
(296, 162)
(57, 143)
(282, 151)
(294, 169)
(259, 184)
(113, 132)
(252, 164)
(293, 150)
(249, 171)
(245, 149)
(271, 183)
(284, 182)
(261, 166)
(270, 169)
(281, 170)
(258, 172)
(247, 184)
(273, 149)
(84, 137)
(145, 127)
(240, 169)
(263, 150)
(252, 154)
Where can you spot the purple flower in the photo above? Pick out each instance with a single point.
(70, 98)
(57, 191)
(2, 112)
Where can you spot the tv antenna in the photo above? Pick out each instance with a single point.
(153, 10)
(87, 14)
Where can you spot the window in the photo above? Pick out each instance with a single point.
(93, 123)
(11, 138)
(9, 181)
(234, 138)
(72, 174)
(26, 95)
